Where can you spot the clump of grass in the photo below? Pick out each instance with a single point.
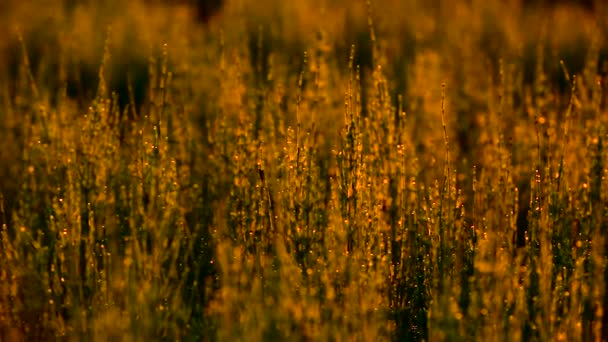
(275, 182)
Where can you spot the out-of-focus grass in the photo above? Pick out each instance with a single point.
(405, 170)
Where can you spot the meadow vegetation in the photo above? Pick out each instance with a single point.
(303, 170)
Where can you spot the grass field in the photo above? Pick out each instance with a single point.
(304, 170)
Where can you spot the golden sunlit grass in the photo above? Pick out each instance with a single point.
(393, 170)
